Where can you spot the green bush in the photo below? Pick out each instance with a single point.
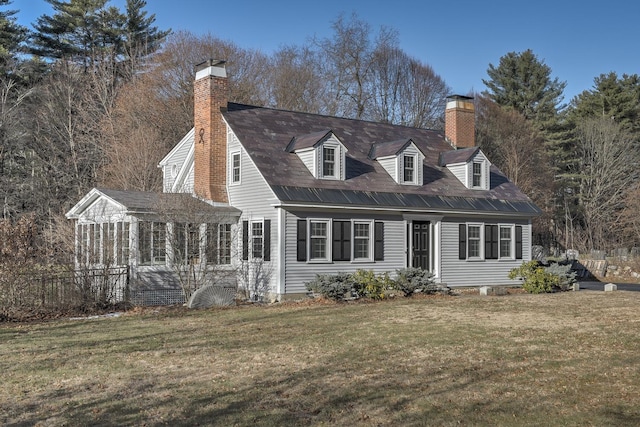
(334, 286)
(540, 279)
(409, 280)
(564, 272)
(368, 284)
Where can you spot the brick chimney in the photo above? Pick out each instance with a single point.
(459, 121)
(210, 92)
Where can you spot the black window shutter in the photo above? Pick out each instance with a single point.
(518, 242)
(245, 240)
(462, 239)
(341, 241)
(491, 242)
(408, 239)
(378, 252)
(301, 247)
(266, 251)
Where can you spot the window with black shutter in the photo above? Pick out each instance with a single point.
(301, 245)
(378, 252)
(491, 242)
(341, 241)
(462, 241)
(518, 242)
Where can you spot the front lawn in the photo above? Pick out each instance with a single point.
(553, 359)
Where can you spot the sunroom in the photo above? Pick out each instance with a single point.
(169, 242)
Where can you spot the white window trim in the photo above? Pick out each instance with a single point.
(401, 169)
(512, 245)
(328, 240)
(251, 237)
(481, 242)
(482, 175)
(338, 161)
(232, 168)
(353, 241)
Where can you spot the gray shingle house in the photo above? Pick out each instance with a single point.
(301, 194)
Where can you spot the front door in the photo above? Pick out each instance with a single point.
(420, 242)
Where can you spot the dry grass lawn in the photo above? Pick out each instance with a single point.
(560, 359)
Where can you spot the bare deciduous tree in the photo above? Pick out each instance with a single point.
(516, 148)
(405, 91)
(609, 159)
(199, 241)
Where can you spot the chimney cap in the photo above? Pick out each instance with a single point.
(210, 63)
(460, 97)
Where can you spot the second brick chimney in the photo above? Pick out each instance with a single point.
(459, 121)
(210, 155)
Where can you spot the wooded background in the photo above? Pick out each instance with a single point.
(96, 96)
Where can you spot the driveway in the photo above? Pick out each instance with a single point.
(599, 286)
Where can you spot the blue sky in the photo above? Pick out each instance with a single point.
(578, 40)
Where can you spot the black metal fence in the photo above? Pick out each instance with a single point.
(85, 289)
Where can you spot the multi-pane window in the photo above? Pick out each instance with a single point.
(95, 243)
(477, 174)
(152, 242)
(122, 242)
(84, 243)
(107, 243)
(479, 242)
(318, 238)
(505, 242)
(326, 240)
(185, 243)
(328, 162)
(473, 239)
(218, 243)
(408, 168)
(361, 240)
(235, 167)
(257, 239)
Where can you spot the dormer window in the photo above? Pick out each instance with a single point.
(322, 153)
(328, 162)
(408, 168)
(469, 165)
(477, 174)
(401, 159)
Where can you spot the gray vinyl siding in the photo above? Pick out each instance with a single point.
(389, 164)
(177, 158)
(297, 273)
(254, 198)
(456, 272)
(307, 158)
(459, 171)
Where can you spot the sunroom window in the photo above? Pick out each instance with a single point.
(152, 242)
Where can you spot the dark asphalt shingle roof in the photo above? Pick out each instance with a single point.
(266, 134)
(147, 201)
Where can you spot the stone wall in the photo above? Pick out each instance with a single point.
(610, 269)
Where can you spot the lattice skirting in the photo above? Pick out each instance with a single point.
(147, 297)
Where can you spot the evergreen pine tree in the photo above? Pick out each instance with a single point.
(612, 97)
(524, 83)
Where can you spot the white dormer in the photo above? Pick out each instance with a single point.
(322, 153)
(401, 159)
(470, 166)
